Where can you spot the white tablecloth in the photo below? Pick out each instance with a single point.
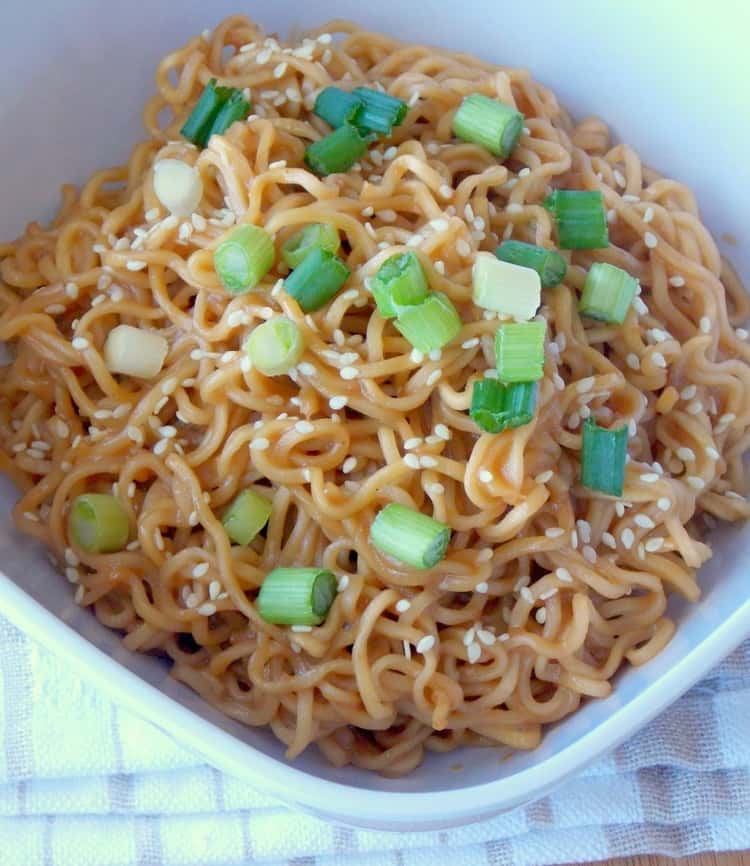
(82, 782)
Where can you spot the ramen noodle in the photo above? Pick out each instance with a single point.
(547, 587)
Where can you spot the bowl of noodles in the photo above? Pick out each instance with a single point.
(373, 416)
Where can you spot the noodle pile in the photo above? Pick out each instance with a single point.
(547, 588)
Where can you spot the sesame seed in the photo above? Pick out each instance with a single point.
(522, 581)
(549, 593)
(343, 582)
(158, 540)
(609, 540)
(407, 649)
(425, 644)
(544, 477)
(279, 70)
(470, 344)
(80, 343)
(650, 477)
(463, 248)
(554, 532)
(650, 240)
(695, 482)
(168, 431)
(685, 453)
(193, 518)
(486, 637)
(689, 392)
(337, 402)
(527, 595)
(659, 360)
(412, 461)
(663, 503)
(306, 368)
(742, 334)
(541, 615)
(161, 446)
(514, 207)
(648, 215)
(200, 569)
(727, 418)
(428, 462)
(260, 444)
(435, 489)
(694, 408)
(349, 372)
(639, 306)
(413, 442)
(349, 465)
(654, 544)
(633, 361)
(482, 587)
(304, 427)
(585, 385)
(402, 605)
(644, 521)
(473, 652)
(677, 281)
(468, 637)
(711, 452)
(207, 609)
(558, 382)
(434, 377)
(589, 554)
(627, 538)
(135, 434)
(705, 324)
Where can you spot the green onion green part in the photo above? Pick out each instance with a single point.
(235, 108)
(275, 346)
(519, 349)
(296, 596)
(549, 264)
(246, 516)
(98, 523)
(409, 536)
(496, 407)
(379, 111)
(301, 243)
(338, 151)
(399, 283)
(337, 106)
(244, 258)
(607, 293)
(505, 288)
(316, 280)
(581, 218)
(431, 324)
(603, 458)
(201, 118)
(489, 123)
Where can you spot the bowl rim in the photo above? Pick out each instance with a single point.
(360, 807)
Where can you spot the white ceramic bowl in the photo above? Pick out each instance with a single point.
(70, 101)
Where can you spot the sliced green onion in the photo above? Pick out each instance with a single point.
(607, 293)
(603, 458)
(244, 258)
(496, 407)
(275, 346)
(198, 124)
(296, 596)
(549, 264)
(400, 282)
(410, 537)
(246, 516)
(581, 218)
(490, 123)
(338, 151)
(337, 106)
(316, 280)
(301, 243)
(519, 349)
(98, 523)
(235, 108)
(506, 288)
(380, 112)
(431, 324)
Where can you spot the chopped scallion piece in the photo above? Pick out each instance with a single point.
(235, 108)
(603, 458)
(198, 124)
(431, 324)
(489, 123)
(246, 516)
(338, 151)
(337, 106)
(380, 112)
(519, 349)
(409, 536)
(316, 280)
(275, 346)
(549, 264)
(607, 293)
(496, 407)
(244, 258)
(98, 523)
(581, 218)
(506, 288)
(399, 283)
(296, 596)
(297, 247)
